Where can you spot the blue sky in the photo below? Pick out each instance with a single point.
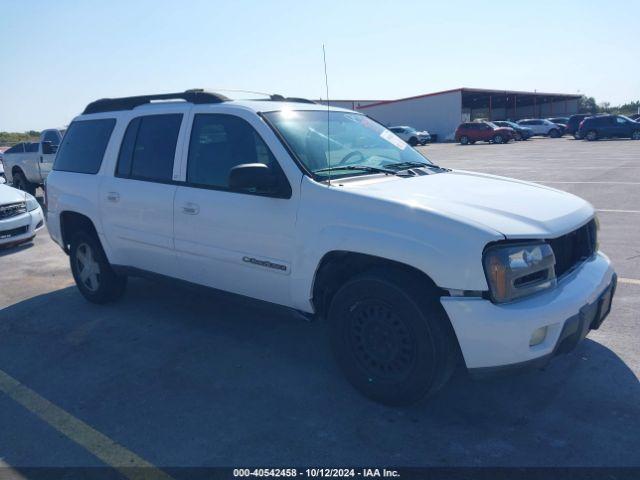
(57, 56)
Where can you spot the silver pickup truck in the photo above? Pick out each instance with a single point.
(27, 164)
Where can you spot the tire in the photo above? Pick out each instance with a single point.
(517, 136)
(554, 133)
(21, 183)
(635, 135)
(498, 139)
(394, 344)
(413, 141)
(591, 135)
(577, 136)
(103, 284)
(464, 140)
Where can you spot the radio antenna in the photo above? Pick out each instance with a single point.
(326, 84)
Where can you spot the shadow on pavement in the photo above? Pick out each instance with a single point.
(190, 378)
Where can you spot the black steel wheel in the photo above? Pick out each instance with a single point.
(391, 337)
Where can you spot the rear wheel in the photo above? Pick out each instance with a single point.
(591, 135)
(498, 138)
(21, 183)
(554, 133)
(635, 135)
(577, 136)
(92, 272)
(393, 342)
(464, 140)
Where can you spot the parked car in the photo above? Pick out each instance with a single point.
(573, 124)
(415, 267)
(609, 126)
(411, 135)
(20, 216)
(27, 164)
(561, 122)
(472, 132)
(520, 132)
(543, 127)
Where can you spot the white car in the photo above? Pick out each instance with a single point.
(411, 135)
(416, 267)
(20, 216)
(542, 127)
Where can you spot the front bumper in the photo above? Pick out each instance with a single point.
(493, 335)
(21, 228)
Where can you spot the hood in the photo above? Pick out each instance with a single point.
(513, 208)
(10, 195)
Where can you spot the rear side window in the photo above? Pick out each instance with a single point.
(149, 147)
(219, 143)
(32, 147)
(83, 146)
(18, 148)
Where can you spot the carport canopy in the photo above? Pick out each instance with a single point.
(510, 100)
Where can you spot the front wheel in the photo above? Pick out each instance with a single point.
(517, 136)
(635, 135)
(498, 139)
(591, 135)
(413, 141)
(21, 183)
(554, 133)
(393, 342)
(464, 140)
(92, 272)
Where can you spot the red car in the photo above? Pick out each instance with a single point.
(473, 132)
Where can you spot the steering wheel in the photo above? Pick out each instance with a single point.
(349, 155)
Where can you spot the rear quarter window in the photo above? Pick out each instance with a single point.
(83, 146)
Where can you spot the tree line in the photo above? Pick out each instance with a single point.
(589, 105)
(11, 138)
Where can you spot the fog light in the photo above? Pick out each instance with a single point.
(538, 336)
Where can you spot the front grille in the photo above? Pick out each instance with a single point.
(4, 234)
(574, 247)
(12, 209)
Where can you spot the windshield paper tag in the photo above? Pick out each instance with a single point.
(393, 140)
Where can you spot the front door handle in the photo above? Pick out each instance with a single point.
(190, 208)
(113, 196)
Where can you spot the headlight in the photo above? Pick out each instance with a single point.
(517, 270)
(32, 203)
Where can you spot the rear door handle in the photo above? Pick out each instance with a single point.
(190, 208)
(113, 196)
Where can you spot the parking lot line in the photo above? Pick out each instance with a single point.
(631, 281)
(107, 450)
(587, 183)
(616, 211)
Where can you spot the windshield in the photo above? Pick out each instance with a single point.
(353, 140)
(491, 124)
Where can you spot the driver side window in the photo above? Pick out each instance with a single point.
(220, 142)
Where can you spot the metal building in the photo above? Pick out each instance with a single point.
(441, 112)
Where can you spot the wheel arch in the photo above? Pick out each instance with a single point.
(72, 222)
(338, 266)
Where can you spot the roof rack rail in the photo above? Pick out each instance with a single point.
(196, 95)
(280, 98)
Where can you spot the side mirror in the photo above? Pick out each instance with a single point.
(256, 178)
(49, 148)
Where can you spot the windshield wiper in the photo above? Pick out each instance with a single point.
(365, 168)
(408, 165)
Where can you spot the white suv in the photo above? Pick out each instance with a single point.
(415, 266)
(542, 127)
(411, 135)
